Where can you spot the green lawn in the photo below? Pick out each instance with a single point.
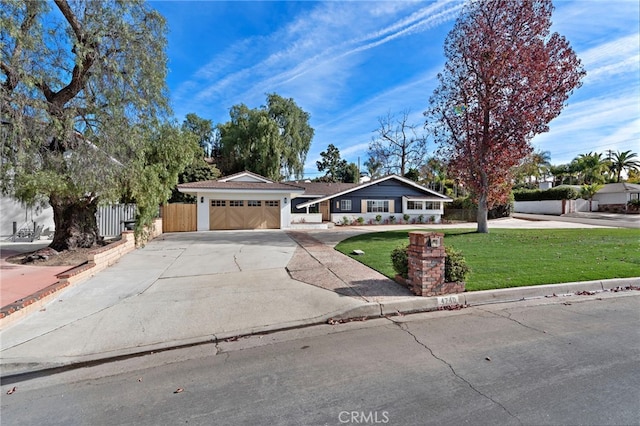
(520, 257)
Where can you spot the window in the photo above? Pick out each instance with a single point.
(432, 205)
(218, 203)
(272, 203)
(414, 205)
(345, 204)
(236, 203)
(377, 206)
(254, 203)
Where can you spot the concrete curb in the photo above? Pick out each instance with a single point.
(28, 369)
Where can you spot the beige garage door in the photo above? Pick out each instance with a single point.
(244, 214)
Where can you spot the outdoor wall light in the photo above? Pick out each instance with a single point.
(285, 201)
(202, 199)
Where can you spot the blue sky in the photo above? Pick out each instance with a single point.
(348, 63)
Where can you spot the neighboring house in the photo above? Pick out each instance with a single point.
(13, 213)
(111, 219)
(615, 196)
(249, 201)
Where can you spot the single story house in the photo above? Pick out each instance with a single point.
(615, 196)
(249, 201)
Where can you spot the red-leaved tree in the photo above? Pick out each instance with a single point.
(506, 77)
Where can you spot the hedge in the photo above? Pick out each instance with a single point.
(560, 193)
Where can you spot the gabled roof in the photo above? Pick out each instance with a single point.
(612, 188)
(245, 176)
(434, 195)
(243, 181)
(320, 189)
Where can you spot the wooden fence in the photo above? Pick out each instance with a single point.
(179, 217)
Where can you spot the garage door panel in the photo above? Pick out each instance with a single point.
(218, 214)
(244, 214)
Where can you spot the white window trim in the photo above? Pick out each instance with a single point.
(346, 201)
(378, 201)
(424, 202)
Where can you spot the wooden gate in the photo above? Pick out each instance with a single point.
(179, 217)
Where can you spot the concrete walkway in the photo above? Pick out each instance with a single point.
(191, 288)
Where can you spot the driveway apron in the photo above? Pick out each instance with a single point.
(181, 288)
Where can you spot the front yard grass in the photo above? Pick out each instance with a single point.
(519, 257)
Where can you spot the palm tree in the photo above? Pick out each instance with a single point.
(559, 173)
(591, 167)
(541, 161)
(588, 191)
(621, 161)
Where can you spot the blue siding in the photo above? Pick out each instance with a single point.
(299, 200)
(387, 190)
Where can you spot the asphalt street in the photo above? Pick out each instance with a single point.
(570, 360)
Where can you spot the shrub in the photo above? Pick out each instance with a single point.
(406, 217)
(360, 220)
(392, 219)
(400, 261)
(455, 267)
(421, 218)
(378, 218)
(345, 220)
(559, 193)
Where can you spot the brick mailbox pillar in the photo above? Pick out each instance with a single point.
(426, 265)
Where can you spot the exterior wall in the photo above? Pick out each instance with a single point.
(204, 200)
(538, 207)
(370, 218)
(14, 211)
(387, 190)
(583, 205)
(300, 200)
(612, 198)
(554, 207)
(109, 218)
(306, 218)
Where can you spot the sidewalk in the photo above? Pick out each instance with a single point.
(192, 288)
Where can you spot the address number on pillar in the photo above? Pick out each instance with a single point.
(448, 300)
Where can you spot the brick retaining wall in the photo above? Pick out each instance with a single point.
(99, 260)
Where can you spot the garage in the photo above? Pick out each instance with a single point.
(244, 200)
(244, 214)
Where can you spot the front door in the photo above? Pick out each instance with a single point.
(324, 209)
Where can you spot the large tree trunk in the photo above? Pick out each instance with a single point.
(75, 222)
(482, 216)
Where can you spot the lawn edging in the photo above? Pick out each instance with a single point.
(98, 260)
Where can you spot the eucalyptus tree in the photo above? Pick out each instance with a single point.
(82, 89)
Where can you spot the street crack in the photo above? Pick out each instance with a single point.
(403, 327)
(508, 317)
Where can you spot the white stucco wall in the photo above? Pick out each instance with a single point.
(14, 211)
(538, 207)
(612, 198)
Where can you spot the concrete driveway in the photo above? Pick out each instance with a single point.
(180, 289)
